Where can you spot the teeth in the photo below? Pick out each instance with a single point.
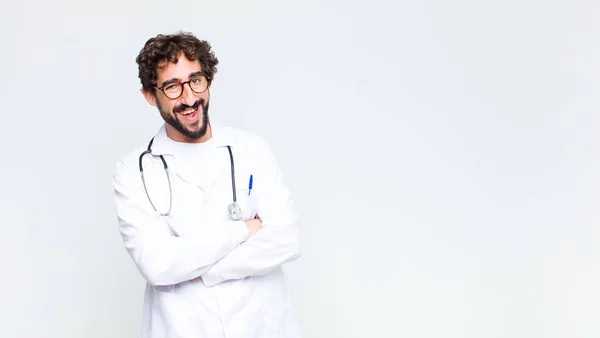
(187, 112)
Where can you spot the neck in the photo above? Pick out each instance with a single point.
(176, 136)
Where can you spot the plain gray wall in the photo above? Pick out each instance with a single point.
(443, 155)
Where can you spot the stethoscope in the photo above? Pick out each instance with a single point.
(234, 210)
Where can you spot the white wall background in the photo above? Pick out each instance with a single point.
(444, 157)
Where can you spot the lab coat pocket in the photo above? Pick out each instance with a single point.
(247, 202)
(276, 318)
(172, 311)
(245, 195)
(277, 311)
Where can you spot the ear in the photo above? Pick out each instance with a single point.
(150, 97)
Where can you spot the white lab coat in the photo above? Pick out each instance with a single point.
(205, 277)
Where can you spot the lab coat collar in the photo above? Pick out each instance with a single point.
(221, 137)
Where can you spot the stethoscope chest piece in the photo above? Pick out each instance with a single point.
(235, 211)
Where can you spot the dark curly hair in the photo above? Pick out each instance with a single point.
(167, 48)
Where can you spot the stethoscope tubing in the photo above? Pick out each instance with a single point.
(233, 209)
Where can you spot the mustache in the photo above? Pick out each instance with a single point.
(183, 107)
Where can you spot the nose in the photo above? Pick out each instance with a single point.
(188, 97)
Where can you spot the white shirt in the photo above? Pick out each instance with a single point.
(205, 276)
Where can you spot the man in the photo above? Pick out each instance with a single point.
(210, 222)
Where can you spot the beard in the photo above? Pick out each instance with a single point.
(174, 121)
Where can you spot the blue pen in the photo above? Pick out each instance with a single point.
(250, 185)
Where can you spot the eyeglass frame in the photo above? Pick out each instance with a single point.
(183, 85)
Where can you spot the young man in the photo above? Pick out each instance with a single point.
(209, 222)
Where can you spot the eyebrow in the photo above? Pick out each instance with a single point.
(194, 74)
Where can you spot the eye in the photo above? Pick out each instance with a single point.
(196, 80)
(171, 87)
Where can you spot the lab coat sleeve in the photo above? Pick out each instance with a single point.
(277, 242)
(161, 257)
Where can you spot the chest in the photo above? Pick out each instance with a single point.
(202, 188)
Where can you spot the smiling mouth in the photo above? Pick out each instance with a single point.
(187, 111)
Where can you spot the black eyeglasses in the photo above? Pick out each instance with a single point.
(173, 90)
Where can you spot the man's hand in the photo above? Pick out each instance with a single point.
(253, 226)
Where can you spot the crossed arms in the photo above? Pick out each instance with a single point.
(214, 252)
